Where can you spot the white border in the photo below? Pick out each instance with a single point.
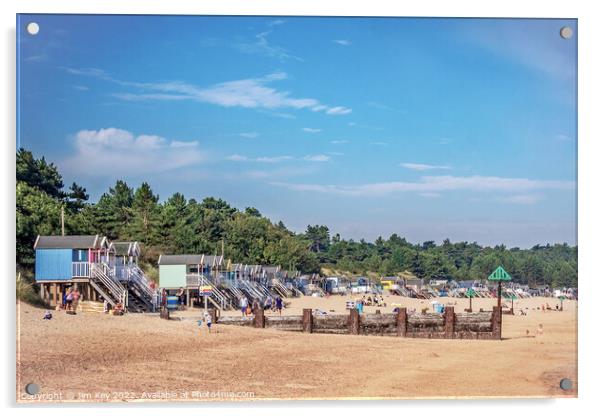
(589, 172)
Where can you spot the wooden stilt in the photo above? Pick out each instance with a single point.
(54, 301)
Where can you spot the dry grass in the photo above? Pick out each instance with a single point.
(95, 354)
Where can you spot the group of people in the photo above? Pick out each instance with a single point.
(71, 299)
(376, 301)
(275, 305)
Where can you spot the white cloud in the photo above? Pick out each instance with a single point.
(123, 153)
(277, 159)
(339, 141)
(276, 22)
(317, 158)
(343, 42)
(422, 166)
(261, 159)
(249, 135)
(311, 130)
(430, 194)
(379, 143)
(237, 158)
(247, 93)
(81, 87)
(338, 110)
(523, 199)
(563, 138)
(273, 159)
(433, 184)
(262, 46)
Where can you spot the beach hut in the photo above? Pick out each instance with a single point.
(126, 255)
(180, 271)
(65, 261)
(190, 272)
(414, 283)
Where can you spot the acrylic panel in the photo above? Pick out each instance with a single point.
(294, 207)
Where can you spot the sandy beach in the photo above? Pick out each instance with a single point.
(95, 357)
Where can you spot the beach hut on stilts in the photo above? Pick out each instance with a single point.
(91, 264)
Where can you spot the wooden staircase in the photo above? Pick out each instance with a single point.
(141, 297)
(102, 281)
(281, 289)
(90, 307)
(217, 298)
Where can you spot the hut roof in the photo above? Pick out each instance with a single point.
(212, 260)
(125, 248)
(177, 259)
(70, 241)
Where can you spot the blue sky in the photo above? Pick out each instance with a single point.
(429, 128)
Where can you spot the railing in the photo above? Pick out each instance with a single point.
(192, 280)
(80, 269)
(262, 289)
(246, 285)
(215, 292)
(122, 273)
(104, 274)
(277, 284)
(137, 278)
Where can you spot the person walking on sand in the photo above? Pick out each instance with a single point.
(69, 299)
(243, 303)
(76, 295)
(208, 321)
(279, 305)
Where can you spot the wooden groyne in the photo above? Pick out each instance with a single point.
(448, 325)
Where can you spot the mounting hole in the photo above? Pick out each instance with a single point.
(33, 28)
(32, 388)
(566, 384)
(566, 32)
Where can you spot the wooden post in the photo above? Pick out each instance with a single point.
(188, 297)
(308, 321)
(449, 321)
(259, 319)
(499, 294)
(55, 294)
(42, 295)
(496, 323)
(402, 322)
(354, 322)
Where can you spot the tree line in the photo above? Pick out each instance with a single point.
(179, 225)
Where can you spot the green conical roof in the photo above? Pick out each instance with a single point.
(470, 293)
(500, 274)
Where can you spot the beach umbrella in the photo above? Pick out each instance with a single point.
(499, 275)
(470, 293)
